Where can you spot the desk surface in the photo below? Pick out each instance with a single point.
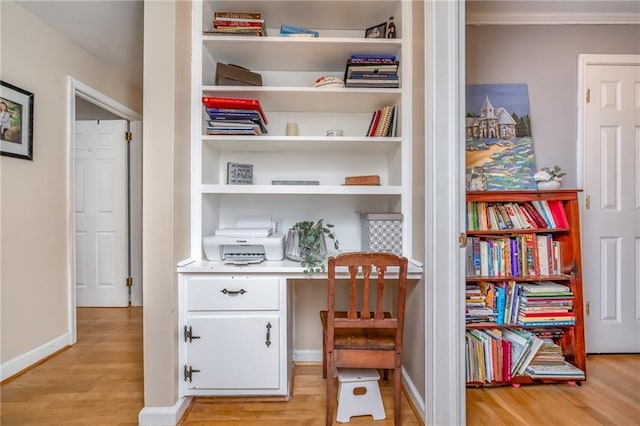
(287, 268)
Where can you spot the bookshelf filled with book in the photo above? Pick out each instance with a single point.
(298, 43)
(524, 299)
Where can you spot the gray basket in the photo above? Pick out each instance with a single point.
(381, 232)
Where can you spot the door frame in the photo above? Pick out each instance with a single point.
(81, 90)
(584, 61)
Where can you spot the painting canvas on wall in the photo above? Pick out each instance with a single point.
(498, 135)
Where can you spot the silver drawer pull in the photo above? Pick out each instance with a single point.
(233, 292)
(268, 342)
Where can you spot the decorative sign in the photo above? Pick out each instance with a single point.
(239, 174)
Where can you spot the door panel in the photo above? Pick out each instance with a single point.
(611, 219)
(100, 213)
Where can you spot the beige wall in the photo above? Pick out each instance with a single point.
(166, 190)
(546, 59)
(34, 278)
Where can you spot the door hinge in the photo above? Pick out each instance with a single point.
(188, 372)
(588, 95)
(128, 136)
(462, 240)
(188, 334)
(129, 281)
(588, 308)
(587, 201)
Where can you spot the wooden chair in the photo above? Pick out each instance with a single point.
(365, 336)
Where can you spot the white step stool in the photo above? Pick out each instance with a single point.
(352, 404)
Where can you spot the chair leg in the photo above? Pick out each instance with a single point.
(397, 395)
(329, 402)
(324, 357)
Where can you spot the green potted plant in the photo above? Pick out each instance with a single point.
(306, 244)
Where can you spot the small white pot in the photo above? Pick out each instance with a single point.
(548, 185)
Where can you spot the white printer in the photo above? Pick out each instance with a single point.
(244, 244)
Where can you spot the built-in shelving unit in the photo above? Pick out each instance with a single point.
(289, 68)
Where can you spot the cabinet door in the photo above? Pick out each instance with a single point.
(234, 352)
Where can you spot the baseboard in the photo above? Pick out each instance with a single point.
(416, 400)
(34, 356)
(163, 416)
(307, 356)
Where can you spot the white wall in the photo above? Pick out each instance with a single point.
(34, 194)
(545, 57)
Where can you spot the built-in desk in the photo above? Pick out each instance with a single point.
(236, 325)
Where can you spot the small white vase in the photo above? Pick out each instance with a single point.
(548, 185)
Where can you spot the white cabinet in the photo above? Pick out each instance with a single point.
(234, 335)
(289, 67)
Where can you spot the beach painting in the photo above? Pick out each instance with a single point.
(498, 135)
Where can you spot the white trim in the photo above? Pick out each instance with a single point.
(552, 18)
(77, 88)
(23, 361)
(164, 416)
(414, 395)
(309, 355)
(444, 201)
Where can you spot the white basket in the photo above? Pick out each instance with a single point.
(381, 232)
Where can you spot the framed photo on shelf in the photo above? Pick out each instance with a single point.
(16, 122)
(377, 31)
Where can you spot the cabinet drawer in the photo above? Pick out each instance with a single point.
(232, 293)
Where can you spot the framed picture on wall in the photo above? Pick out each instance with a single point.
(16, 122)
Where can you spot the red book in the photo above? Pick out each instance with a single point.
(540, 222)
(237, 103)
(506, 360)
(374, 123)
(558, 213)
(227, 23)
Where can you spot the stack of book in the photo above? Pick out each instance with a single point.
(291, 31)
(478, 303)
(238, 23)
(234, 116)
(546, 303)
(383, 122)
(372, 71)
(549, 363)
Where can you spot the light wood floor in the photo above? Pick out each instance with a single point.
(99, 382)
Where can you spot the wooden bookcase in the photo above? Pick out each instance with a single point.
(570, 274)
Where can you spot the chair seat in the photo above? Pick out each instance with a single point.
(361, 338)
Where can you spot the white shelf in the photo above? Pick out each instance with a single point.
(310, 99)
(301, 144)
(302, 189)
(295, 54)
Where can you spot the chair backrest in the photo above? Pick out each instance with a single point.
(366, 270)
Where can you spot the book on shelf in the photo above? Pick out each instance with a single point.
(556, 207)
(372, 71)
(532, 350)
(235, 103)
(290, 30)
(238, 23)
(383, 122)
(563, 370)
(256, 16)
